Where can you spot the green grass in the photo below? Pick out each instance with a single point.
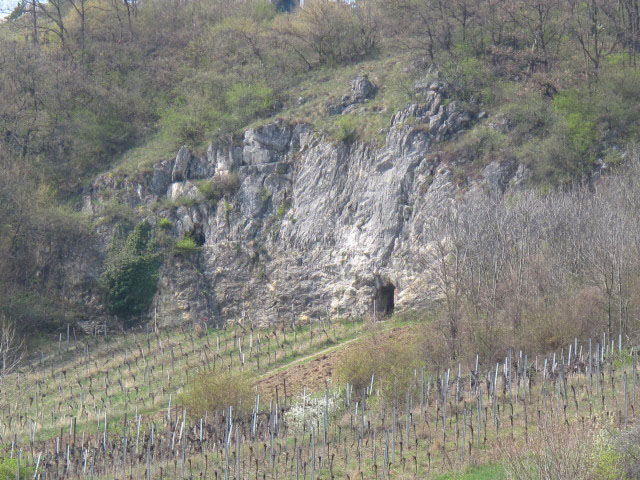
(146, 362)
(330, 84)
(483, 472)
(140, 159)
(70, 375)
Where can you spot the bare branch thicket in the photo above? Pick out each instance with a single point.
(11, 347)
(539, 268)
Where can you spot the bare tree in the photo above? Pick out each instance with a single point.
(595, 33)
(543, 22)
(11, 348)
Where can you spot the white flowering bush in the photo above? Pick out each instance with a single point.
(309, 410)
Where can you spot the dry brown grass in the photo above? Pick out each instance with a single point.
(554, 452)
(390, 357)
(208, 392)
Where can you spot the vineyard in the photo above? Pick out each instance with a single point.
(109, 406)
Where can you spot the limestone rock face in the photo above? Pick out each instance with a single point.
(362, 88)
(312, 227)
(361, 91)
(181, 165)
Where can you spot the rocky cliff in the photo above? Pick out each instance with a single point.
(306, 225)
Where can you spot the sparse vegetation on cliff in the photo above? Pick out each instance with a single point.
(131, 274)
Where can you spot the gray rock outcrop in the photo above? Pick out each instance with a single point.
(361, 91)
(313, 227)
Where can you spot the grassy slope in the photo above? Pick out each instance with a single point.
(140, 371)
(306, 102)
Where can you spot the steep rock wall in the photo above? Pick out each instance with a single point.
(314, 227)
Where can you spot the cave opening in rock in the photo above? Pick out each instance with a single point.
(385, 299)
(198, 235)
(285, 5)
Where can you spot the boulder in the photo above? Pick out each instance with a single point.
(181, 167)
(362, 89)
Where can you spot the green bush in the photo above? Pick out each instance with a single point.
(265, 195)
(248, 101)
(619, 458)
(610, 464)
(131, 276)
(480, 143)
(186, 245)
(208, 190)
(329, 33)
(551, 162)
(282, 210)
(208, 393)
(114, 211)
(579, 121)
(223, 184)
(470, 79)
(528, 112)
(9, 467)
(347, 126)
(482, 472)
(101, 134)
(226, 183)
(165, 224)
(187, 121)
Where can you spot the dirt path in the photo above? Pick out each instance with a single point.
(311, 371)
(307, 358)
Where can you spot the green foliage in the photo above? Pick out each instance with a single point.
(165, 224)
(347, 128)
(470, 79)
(528, 112)
(329, 33)
(100, 135)
(17, 12)
(211, 392)
(186, 245)
(609, 465)
(197, 113)
(139, 240)
(115, 211)
(248, 101)
(265, 195)
(131, 275)
(618, 456)
(223, 184)
(187, 121)
(483, 472)
(9, 468)
(480, 143)
(579, 121)
(282, 209)
(209, 190)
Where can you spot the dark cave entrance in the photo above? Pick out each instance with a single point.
(285, 5)
(198, 235)
(385, 299)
